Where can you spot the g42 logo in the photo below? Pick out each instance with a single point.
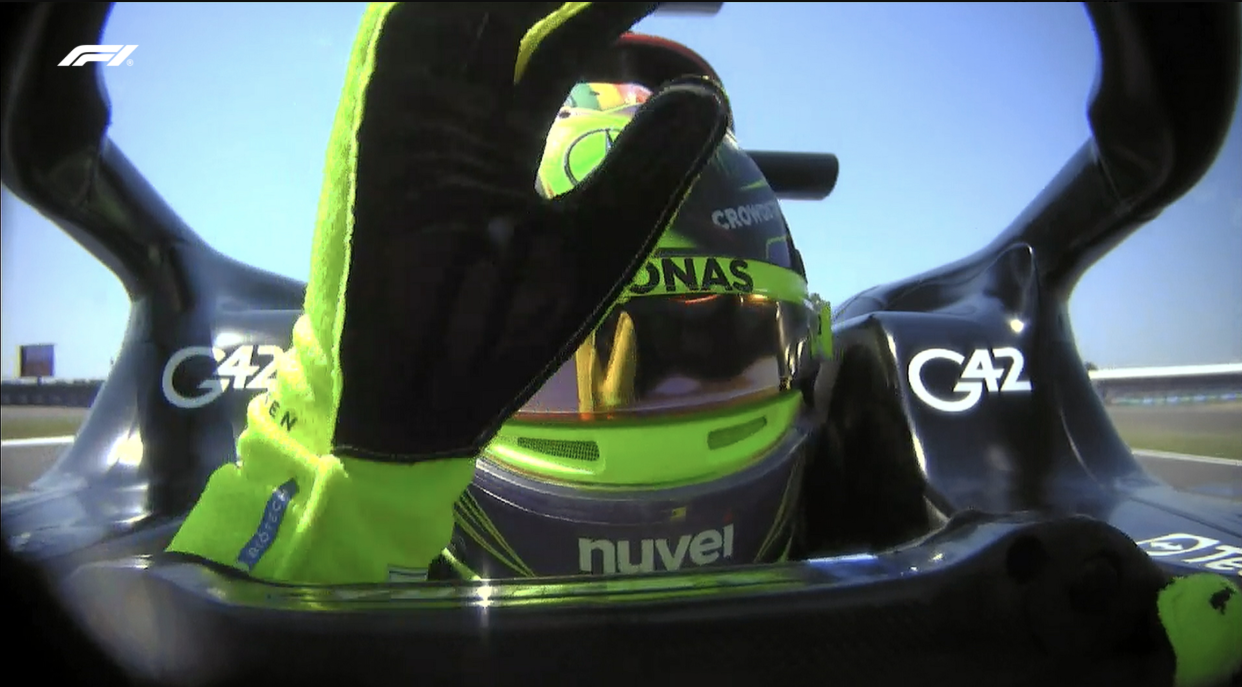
(979, 373)
(236, 370)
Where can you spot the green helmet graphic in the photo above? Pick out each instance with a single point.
(731, 211)
(670, 439)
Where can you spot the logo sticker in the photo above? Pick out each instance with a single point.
(648, 555)
(114, 55)
(1203, 552)
(585, 152)
(998, 370)
(693, 275)
(236, 370)
(265, 533)
(746, 215)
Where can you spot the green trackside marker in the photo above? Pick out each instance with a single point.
(1202, 615)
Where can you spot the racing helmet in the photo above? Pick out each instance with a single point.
(676, 434)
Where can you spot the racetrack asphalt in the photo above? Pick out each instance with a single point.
(23, 460)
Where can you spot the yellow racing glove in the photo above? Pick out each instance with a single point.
(443, 289)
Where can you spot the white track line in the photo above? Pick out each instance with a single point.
(1165, 455)
(38, 441)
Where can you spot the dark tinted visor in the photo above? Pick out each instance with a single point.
(666, 355)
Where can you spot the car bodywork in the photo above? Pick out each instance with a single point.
(1026, 440)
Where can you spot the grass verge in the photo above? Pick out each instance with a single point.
(25, 422)
(1209, 429)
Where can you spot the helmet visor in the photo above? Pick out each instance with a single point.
(675, 354)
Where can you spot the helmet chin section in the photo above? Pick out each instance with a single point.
(514, 525)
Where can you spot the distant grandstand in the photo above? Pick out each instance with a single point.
(1161, 385)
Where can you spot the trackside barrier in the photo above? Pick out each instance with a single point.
(1145, 386)
(69, 393)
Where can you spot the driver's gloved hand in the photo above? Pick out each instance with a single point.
(1201, 615)
(443, 289)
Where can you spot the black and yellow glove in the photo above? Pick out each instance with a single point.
(464, 289)
(1202, 616)
(444, 290)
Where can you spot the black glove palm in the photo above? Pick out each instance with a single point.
(465, 289)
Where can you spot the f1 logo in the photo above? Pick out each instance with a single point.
(112, 54)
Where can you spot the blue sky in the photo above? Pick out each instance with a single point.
(947, 119)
